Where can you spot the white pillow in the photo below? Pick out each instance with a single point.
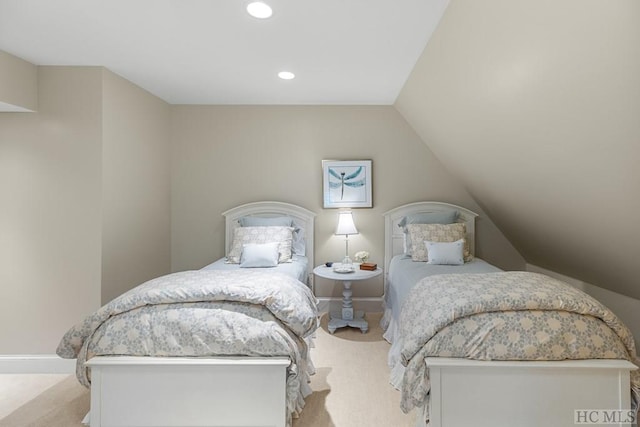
(245, 235)
(445, 253)
(256, 255)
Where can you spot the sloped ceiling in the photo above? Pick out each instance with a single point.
(535, 107)
(212, 52)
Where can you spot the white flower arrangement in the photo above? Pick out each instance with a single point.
(362, 256)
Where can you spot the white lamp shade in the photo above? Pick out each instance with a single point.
(345, 224)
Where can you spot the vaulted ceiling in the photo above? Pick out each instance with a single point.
(535, 107)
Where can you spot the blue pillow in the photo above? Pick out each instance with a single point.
(444, 217)
(257, 221)
(445, 253)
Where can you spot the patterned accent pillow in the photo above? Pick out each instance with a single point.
(244, 235)
(444, 217)
(421, 233)
(299, 245)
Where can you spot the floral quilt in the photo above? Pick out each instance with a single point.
(504, 316)
(204, 313)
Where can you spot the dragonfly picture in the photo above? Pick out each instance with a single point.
(347, 183)
(341, 179)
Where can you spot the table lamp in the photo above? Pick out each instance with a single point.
(345, 228)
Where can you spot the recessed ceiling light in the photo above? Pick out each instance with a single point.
(260, 10)
(286, 75)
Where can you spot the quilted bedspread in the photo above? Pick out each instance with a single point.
(204, 313)
(504, 316)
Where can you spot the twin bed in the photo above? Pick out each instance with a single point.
(221, 346)
(472, 345)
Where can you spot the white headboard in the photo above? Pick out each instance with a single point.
(302, 218)
(394, 237)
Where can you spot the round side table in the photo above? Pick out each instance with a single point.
(347, 317)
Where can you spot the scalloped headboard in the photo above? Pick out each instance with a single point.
(394, 237)
(303, 218)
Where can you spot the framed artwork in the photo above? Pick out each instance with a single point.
(347, 184)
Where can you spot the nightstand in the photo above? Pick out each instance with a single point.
(347, 317)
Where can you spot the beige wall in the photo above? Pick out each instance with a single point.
(226, 156)
(18, 84)
(84, 184)
(534, 107)
(50, 173)
(135, 189)
(86, 189)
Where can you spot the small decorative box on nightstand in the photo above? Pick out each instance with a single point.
(368, 266)
(347, 316)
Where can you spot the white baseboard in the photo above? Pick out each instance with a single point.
(626, 308)
(366, 304)
(36, 364)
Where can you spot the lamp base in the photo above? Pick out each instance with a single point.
(347, 264)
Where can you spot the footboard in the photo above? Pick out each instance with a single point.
(526, 394)
(194, 392)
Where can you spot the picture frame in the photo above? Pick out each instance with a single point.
(347, 183)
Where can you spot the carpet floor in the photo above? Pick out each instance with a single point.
(350, 388)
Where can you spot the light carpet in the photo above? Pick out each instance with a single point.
(350, 388)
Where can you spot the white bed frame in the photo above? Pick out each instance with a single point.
(198, 392)
(468, 392)
(394, 237)
(302, 218)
